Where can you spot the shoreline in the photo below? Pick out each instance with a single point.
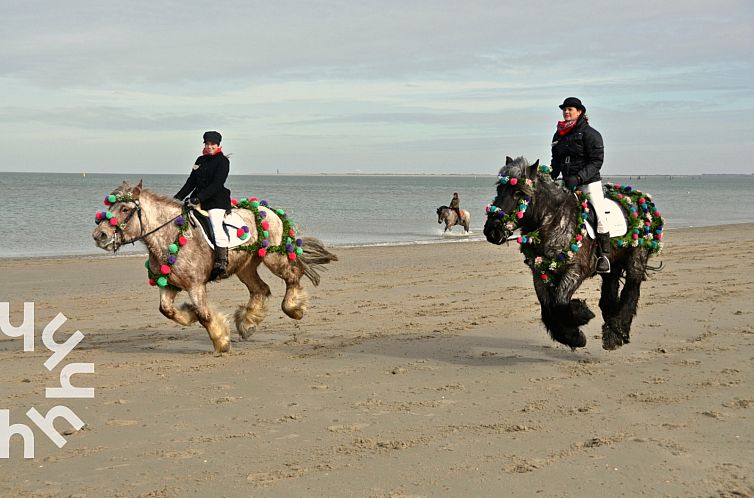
(455, 240)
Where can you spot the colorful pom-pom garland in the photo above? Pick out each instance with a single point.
(289, 245)
(645, 223)
(548, 267)
(160, 279)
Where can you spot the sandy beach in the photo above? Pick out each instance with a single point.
(418, 371)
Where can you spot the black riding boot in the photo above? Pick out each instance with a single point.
(221, 263)
(603, 251)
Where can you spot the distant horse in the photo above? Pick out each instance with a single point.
(561, 256)
(179, 258)
(449, 216)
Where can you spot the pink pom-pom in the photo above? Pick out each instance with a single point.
(578, 237)
(113, 221)
(265, 225)
(659, 236)
(182, 241)
(657, 213)
(520, 215)
(634, 214)
(240, 232)
(262, 252)
(584, 205)
(642, 200)
(620, 196)
(292, 256)
(98, 215)
(519, 240)
(234, 202)
(164, 269)
(617, 186)
(252, 199)
(647, 223)
(635, 236)
(292, 232)
(487, 209)
(513, 181)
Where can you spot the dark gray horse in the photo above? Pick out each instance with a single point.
(449, 216)
(561, 255)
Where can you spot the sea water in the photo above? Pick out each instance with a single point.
(45, 214)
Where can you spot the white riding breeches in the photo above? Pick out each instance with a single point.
(216, 217)
(597, 198)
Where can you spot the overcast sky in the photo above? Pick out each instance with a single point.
(384, 86)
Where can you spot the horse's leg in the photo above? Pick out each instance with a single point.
(184, 315)
(560, 315)
(249, 316)
(296, 298)
(610, 306)
(215, 323)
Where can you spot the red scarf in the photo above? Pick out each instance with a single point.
(566, 126)
(205, 152)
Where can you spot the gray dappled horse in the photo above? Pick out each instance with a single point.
(161, 223)
(451, 218)
(561, 256)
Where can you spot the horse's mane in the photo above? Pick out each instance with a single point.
(160, 197)
(515, 169)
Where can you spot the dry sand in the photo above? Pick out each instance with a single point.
(418, 371)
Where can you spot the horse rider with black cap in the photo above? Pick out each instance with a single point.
(577, 153)
(206, 187)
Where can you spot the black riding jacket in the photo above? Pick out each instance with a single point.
(579, 152)
(207, 182)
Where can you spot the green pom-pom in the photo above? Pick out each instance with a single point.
(112, 198)
(146, 264)
(173, 248)
(108, 215)
(299, 251)
(280, 212)
(162, 282)
(265, 234)
(254, 204)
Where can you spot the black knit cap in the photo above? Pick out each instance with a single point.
(573, 102)
(212, 136)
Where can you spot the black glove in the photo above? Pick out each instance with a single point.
(191, 202)
(571, 181)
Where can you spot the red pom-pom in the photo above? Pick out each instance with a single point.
(544, 276)
(519, 240)
(262, 252)
(642, 200)
(152, 282)
(292, 256)
(291, 232)
(234, 202)
(182, 241)
(659, 236)
(113, 221)
(635, 236)
(164, 269)
(240, 232)
(578, 236)
(252, 199)
(634, 214)
(265, 225)
(98, 215)
(513, 181)
(520, 215)
(107, 203)
(657, 213)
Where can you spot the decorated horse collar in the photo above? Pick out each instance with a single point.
(526, 185)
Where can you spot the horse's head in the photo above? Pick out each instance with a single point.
(515, 190)
(441, 214)
(121, 221)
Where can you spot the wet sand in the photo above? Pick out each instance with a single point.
(417, 371)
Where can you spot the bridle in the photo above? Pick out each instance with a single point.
(114, 198)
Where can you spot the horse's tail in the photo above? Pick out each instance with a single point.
(314, 257)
